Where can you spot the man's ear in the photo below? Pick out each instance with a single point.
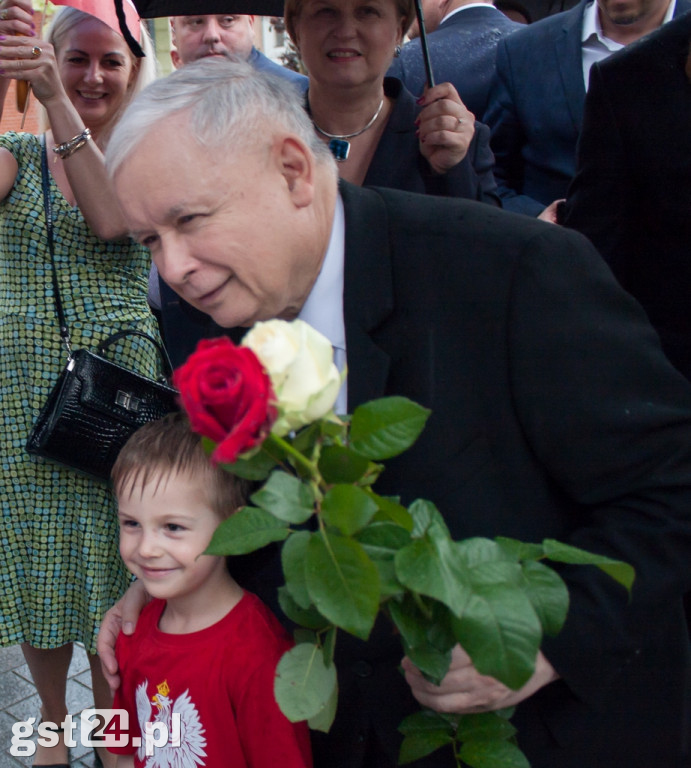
(175, 58)
(296, 164)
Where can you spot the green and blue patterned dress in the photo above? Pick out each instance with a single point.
(59, 567)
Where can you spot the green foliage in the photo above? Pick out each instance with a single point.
(349, 554)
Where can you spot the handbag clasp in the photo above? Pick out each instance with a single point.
(128, 401)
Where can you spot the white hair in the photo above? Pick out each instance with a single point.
(224, 102)
(146, 69)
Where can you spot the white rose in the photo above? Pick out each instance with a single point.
(299, 361)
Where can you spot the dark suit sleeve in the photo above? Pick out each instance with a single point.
(508, 138)
(598, 202)
(612, 430)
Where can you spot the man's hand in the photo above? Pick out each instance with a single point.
(121, 617)
(549, 214)
(464, 690)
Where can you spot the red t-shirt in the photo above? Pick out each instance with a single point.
(217, 684)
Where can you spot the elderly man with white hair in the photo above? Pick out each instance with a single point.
(554, 411)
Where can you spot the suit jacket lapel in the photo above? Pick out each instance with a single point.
(367, 292)
(569, 61)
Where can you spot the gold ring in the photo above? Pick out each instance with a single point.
(3, 14)
(36, 52)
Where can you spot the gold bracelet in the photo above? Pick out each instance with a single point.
(68, 148)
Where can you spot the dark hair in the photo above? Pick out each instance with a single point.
(168, 447)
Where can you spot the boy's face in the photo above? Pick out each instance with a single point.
(164, 528)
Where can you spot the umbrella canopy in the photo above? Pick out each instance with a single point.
(149, 9)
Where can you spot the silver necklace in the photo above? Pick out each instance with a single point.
(339, 144)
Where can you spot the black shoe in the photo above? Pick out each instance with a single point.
(56, 765)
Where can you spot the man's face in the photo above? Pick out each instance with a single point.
(196, 37)
(626, 12)
(225, 229)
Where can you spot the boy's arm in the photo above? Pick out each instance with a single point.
(125, 761)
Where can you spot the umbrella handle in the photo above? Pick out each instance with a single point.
(423, 43)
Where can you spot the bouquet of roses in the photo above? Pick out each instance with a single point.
(265, 409)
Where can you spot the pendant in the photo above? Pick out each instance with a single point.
(339, 149)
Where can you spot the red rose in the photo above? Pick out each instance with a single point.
(228, 397)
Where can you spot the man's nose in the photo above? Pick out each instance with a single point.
(174, 261)
(212, 31)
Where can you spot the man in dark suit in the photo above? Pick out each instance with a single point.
(554, 411)
(632, 191)
(631, 194)
(462, 44)
(536, 101)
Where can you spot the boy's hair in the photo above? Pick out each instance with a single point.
(167, 447)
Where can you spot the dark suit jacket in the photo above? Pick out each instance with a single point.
(462, 51)
(554, 414)
(396, 163)
(632, 191)
(536, 109)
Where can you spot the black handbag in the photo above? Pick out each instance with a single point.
(96, 404)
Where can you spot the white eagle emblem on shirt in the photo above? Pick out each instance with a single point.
(191, 752)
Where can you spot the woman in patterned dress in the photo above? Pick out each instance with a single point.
(60, 569)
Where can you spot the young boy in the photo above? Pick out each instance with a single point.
(200, 666)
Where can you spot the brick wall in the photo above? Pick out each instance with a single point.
(12, 120)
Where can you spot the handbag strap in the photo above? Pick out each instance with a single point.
(48, 206)
(162, 353)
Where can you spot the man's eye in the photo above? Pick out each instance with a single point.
(174, 527)
(148, 240)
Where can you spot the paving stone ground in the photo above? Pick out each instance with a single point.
(19, 702)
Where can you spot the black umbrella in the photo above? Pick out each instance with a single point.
(149, 9)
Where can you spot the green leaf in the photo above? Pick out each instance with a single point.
(501, 633)
(383, 540)
(389, 585)
(293, 555)
(390, 509)
(347, 508)
(329, 645)
(307, 617)
(386, 427)
(416, 630)
(519, 550)
(339, 464)
(304, 685)
(493, 754)
(425, 720)
(484, 726)
(306, 438)
(257, 467)
(548, 594)
(621, 572)
(434, 567)
(477, 551)
(419, 745)
(424, 733)
(286, 497)
(323, 720)
(342, 582)
(427, 519)
(245, 531)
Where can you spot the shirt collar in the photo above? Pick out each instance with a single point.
(327, 291)
(463, 8)
(593, 29)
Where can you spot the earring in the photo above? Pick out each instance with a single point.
(397, 51)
